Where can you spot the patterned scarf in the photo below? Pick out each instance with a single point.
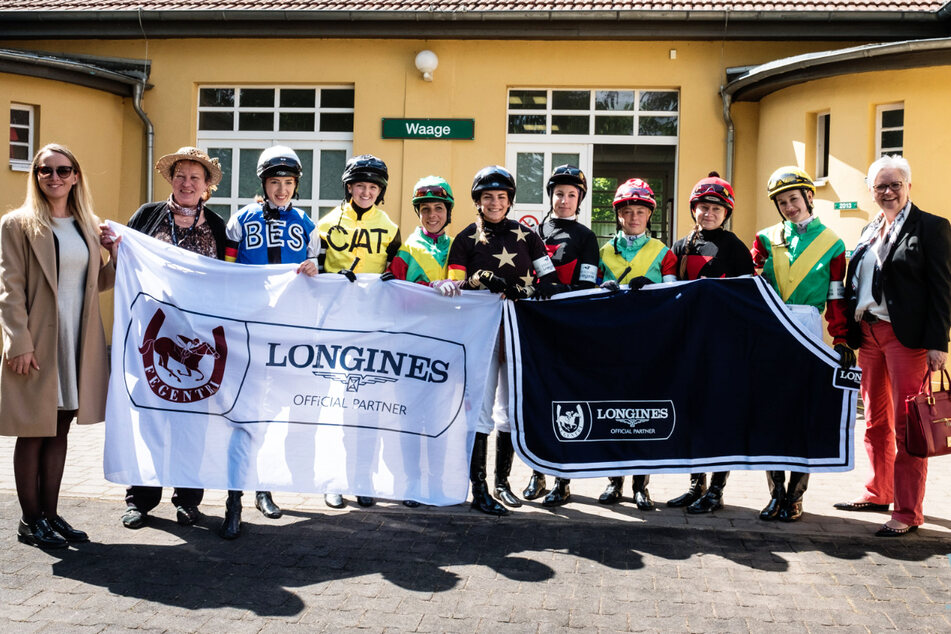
(179, 210)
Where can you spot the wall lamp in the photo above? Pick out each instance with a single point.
(426, 63)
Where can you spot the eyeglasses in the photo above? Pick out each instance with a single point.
(895, 187)
(63, 171)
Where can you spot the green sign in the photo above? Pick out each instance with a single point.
(429, 129)
(848, 205)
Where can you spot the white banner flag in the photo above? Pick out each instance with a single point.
(228, 376)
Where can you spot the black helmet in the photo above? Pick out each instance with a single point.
(365, 168)
(568, 175)
(492, 178)
(278, 160)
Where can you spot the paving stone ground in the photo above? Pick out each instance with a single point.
(583, 567)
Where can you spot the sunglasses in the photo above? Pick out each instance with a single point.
(63, 171)
(711, 188)
(884, 187)
(435, 190)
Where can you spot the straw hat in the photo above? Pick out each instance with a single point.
(188, 153)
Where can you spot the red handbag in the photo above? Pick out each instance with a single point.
(928, 432)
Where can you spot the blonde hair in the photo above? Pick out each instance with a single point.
(79, 203)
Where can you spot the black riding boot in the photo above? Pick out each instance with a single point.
(536, 486)
(231, 526)
(642, 497)
(698, 486)
(504, 454)
(481, 500)
(613, 492)
(560, 493)
(777, 491)
(792, 505)
(712, 500)
(265, 503)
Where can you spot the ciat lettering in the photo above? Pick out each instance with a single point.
(339, 239)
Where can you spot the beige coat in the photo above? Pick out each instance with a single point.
(29, 322)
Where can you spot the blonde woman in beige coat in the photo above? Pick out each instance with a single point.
(54, 365)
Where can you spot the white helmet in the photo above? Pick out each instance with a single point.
(279, 160)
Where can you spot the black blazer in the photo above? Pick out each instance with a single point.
(148, 217)
(916, 280)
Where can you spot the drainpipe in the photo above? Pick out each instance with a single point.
(730, 139)
(139, 89)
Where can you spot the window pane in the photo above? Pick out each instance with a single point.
(20, 117)
(249, 184)
(298, 98)
(331, 167)
(657, 126)
(528, 99)
(614, 125)
(614, 100)
(216, 97)
(895, 138)
(567, 124)
(306, 187)
(297, 121)
(323, 211)
(21, 135)
(529, 176)
(257, 97)
(659, 101)
(222, 210)
(336, 122)
(256, 121)
(563, 159)
(570, 100)
(336, 98)
(526, 124)
(893, 118)
(216, 121)
(19, 152)
(224, 156)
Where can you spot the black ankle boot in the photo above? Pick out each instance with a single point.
(712, 500)
(791, 510)
(504, 454)
(481, 500)
(698, 486)
(613, 492)
(642, 497)
(536, 486)
(231, 526)
(777, 491)
(265, 503)
(559, 495)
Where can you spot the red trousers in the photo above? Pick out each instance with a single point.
(890, 372)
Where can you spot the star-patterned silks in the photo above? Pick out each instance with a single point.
(527, 280)
(519, 233)
(505, 258)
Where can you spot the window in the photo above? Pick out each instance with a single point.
(235, 123)
(890, 129)
(822, 145)
(21, 137)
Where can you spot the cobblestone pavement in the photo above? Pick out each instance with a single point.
(583, 567)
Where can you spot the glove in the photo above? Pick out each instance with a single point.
(447, 288)
(489, 280)
(638, 283)
(386, 276)
(350, 275)
(518, 291)
(547, 290)
(611, 286)
(846, 355)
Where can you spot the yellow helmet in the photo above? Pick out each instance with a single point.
(786, 178)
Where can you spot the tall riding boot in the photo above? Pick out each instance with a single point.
(481, 500)
(504, 454)
(792, 506)
(777, 491)
(536, 486)
(698, 486)
(613, 492)
(231, 526)
(712, 500)
(642, 497)
(560, 493)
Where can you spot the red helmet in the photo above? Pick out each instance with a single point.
(634, 192)
(713, 189)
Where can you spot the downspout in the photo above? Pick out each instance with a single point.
(139, 89)
(730, 139)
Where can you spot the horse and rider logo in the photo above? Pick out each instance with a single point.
(177, 371)
(569, 423)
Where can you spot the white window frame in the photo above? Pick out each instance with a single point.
(880, 129)
(237, 140)
(19, 165)
(823, 125)
(530, 214)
